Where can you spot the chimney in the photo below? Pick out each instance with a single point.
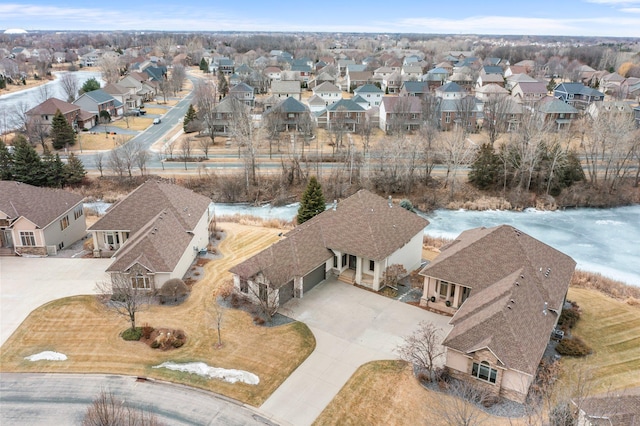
(390, 202)
(335, 205)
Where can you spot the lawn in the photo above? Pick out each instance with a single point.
(612, 329)
(387, 393)
(159, 111)
(80, 328)
(98, 141)
(135, 123)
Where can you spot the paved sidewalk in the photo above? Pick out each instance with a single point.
(27, 283)
(352, 327)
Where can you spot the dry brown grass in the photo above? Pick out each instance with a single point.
(81, 328)
(612, 288)
(246, 219)
(99, 141)
(135, 123)
(612, 329)
(159, 111)
(387, 393)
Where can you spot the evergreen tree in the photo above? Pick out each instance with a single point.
(74, 171)
(6, 162)
(52, 170)
(62, 133)
(223, 85)
(552, 85)
(90, 85)
(188, 118)
(204, 66)
(571, 170)
(27, 165)
(485, 168)
(312, 202)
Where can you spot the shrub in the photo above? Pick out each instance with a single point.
(442, 375)
(258, 320)
(177, 343)
(132, 334)
(569, 317)
(573, 346)
(155, 344)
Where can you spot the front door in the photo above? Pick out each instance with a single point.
(352, 261)
(7, 241)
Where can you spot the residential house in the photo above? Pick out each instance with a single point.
(610, 83)
(392, 83)
(506, 291)
(502, 111)
(356, 239)
(286, 89)
(224, 65)
(489, 91)
(122, 94)
(446, 65)
(223, 115)
(465, 112)
(356, 79)
(154, 234)
(611, 108)
(141, 86)
(492, 69)
(98, 101)
(328, 92)
(636, 115)
(630, 89)
(529, 93)
(609, 409)
(435, 77)
(289, 114)
(371, 94)
(513, 80)
(323, 77)
(450, 91)
(515, 69)
(400, 113)
(89, 59)
(463, 80)
(556, 113)
(484, 79)
(273, 73)
(244, 93)
(342, 65)
(344, 114)
(577, 95)
(414, 88)
(38, 221)
(156, 72)
(411, 71)
(316, 104)
(47, 110)
(302, 72)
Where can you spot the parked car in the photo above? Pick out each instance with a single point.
(157, 121)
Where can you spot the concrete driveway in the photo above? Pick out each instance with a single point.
(27, 283)
(352, 327)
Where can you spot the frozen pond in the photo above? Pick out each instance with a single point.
(599, 240)
(11, 104)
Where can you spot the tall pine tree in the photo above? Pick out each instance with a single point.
(27, 165)
(204, 66)
(6, 163)
(74, 171)
(188, 118)
(223, 85)
(62, 134)
(52, 170)
(312, 202)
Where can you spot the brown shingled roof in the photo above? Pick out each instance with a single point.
(363, 224)
(40, 205)
(51, 105)
(514, 279)
(147, 201)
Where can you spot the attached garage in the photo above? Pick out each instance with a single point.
(313, 278)
(286, 293)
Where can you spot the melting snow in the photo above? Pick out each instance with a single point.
(48, 356)
(202, 369)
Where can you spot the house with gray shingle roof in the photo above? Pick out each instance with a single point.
(244, 93)
(506, 291)
(39, 221)
(153, 234)
(371, 93)
(577, 95)
(286, 89)
(288, 114)
(356, 240)
(556, 113)
(345, 114)
(97, 101)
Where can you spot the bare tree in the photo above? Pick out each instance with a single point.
(457, 151)
(205, 145)
(423, 348)
(164, 46)
(142, 156)
(115, 162)
(109, 64)
(178, 75)
(107, 410)
(216, 316)
(206, 99)
(37, 131)
(70, 86)
(125, 295)
(98, 161)
(185, 150)
(165, 87)
(247, 138)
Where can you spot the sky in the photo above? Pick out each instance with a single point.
(619, 18)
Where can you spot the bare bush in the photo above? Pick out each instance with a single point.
(108, 410)
(423, 348)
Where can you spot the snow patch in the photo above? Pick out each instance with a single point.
(47, 356)
(204, 370)
(609, 222)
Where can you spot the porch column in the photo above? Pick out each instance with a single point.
(456, 297)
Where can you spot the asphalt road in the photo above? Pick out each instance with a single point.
(46, 399)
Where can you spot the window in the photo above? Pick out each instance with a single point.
(64, 223)
(27, 238)
(447, 117)
(372, 265)
(482, 371)
(263, 293)
(444, 289)
(111, 238)
(140, 281)
(244, 285)
(78, 212)
(335, 261)
(344, 260)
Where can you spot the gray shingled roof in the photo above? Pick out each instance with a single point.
(450, 87)
(346, 105)
(40, 205)
(363, 225)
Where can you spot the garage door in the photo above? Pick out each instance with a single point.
(286, 293)
(313, 278)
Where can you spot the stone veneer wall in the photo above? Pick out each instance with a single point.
(33, 251)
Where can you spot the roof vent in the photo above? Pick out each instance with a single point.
(508, 306)
(544, 311)
(522, 276)
(546, 274)
(517, 283)
(390, 201)
(513, 301)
